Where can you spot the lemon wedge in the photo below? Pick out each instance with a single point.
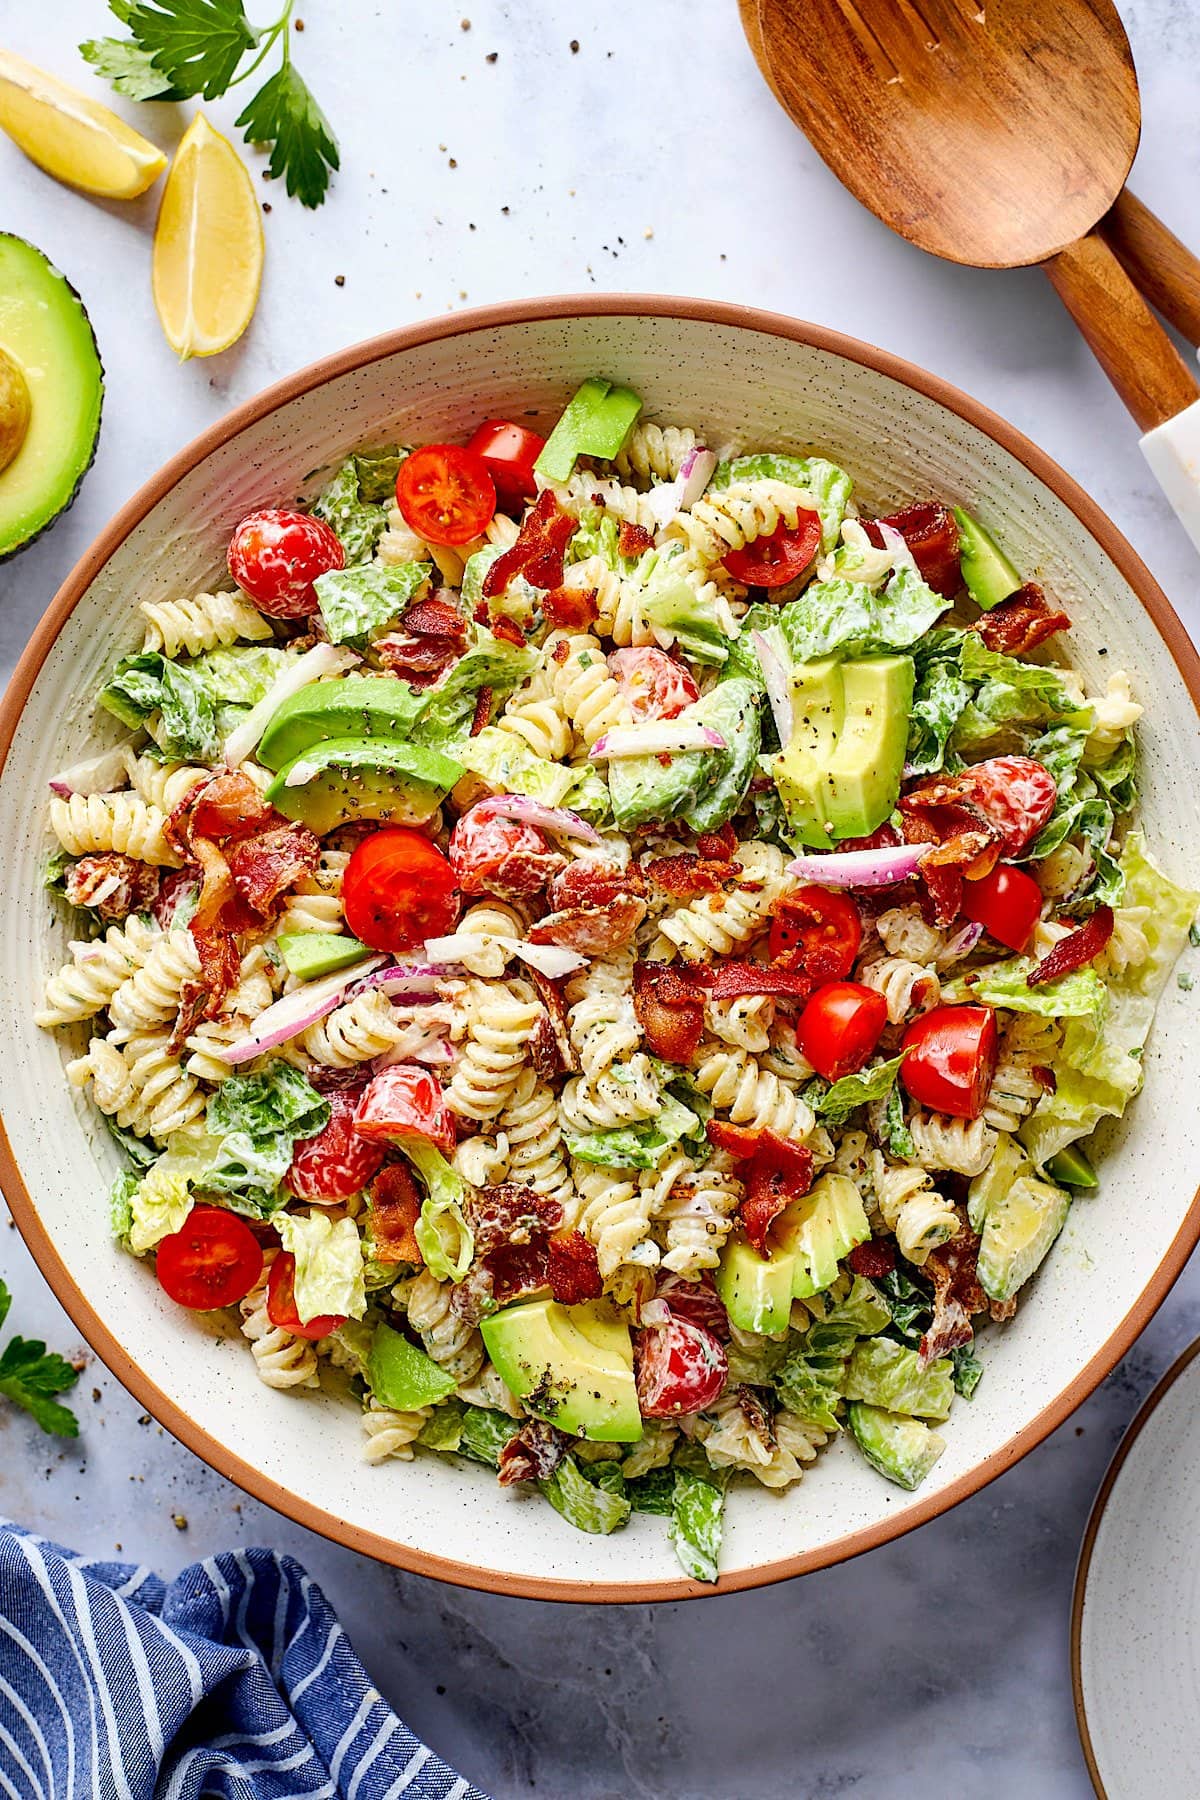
(208, 245)
(73, 138)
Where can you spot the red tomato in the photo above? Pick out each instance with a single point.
(696, 1301)
(276, 555)
(840, 1027)
(950, 1058)
(336, 1162)
(817, 931)
(774, 561)
(405, 1101)
(281, 1303)
(213, 1260)
(681, 1368)
(508, 453)
(494, 855)
(1006, 903)
(398, 890)
(655, 686)
(445, 493)
(1015, 793)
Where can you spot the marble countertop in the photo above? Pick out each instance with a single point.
(626, 147)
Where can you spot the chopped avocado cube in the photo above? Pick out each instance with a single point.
(402, 1376)
(1008, 1161)
(819, 1230)
(987, 572)
(839, 776)
(351, 706)
(757, 1290)
(52, 388)
(1071, 1167)
(888, 1374)
(307, 954)
(1020, 1226)
(363, 778)
(902, 1449)
(572, 1365)
(596, 422)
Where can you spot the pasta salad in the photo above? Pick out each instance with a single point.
(609, 954)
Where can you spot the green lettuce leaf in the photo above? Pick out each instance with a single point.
(143, 686)
(445, 1239)
(443, 1428)
(120, 1202)
(847, 618)
(253, 1123)
(888, 1374)
(653, 1492)
(1010, 696)
(830, 486)
(835, 1103)
(809, 1380)
(509, 766)
(703, 787)
(1117, 778)
(968, 1370)
(377, 471)
(672, 604)
(1079, 995)
(638, 1146)
(939, 698)
(581, 1503)
(909, 1303)
(449, 709)
(140, 1153)
(899, 1137)
(329, 1264)
(360, 601)
(357, 524)
(484, 1434)
(161, 1201)
(697, 1517)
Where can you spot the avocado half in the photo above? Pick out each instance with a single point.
(46, 335)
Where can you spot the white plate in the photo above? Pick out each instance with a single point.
(1135, 1624)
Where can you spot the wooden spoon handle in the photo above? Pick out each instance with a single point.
(1165, 269)
(1132, 348)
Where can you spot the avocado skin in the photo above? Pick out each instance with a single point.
(10, 550)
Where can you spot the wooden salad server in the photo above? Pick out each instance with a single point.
(1000, 135)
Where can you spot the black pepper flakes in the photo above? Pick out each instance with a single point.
(339, 281)
(574, 46)
(492, 56)
(266, 206)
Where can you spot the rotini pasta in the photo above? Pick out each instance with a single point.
(497, 1019)
(90, 822)
(201, 622)
(87, 983)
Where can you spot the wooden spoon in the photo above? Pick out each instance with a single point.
(1001, 137)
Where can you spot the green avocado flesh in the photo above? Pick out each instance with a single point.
(757, 1290)
(839, 776)
(986, 571)
(363, 778)
(351, 706)
(307, 954)
(902, 1449)
(401, 1376)
(595, 422)
(810, 1237)
(44, 331)
(572, 1365)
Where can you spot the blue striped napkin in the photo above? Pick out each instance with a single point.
(234, 1681)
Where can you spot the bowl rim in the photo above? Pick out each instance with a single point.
(358, 356)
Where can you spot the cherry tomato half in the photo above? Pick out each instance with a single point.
(405, 1101)
(213, 1260)
(398, 890)
(817, 931)
(1016, 793)
(490, 854)
(446, 493)
(275, 556)
(655, 686)
(336, 1162)
(681, 1368)
(508, 453)
(1007, 903)
(773, 561)
(950, 1058)
(840, 1027)
(281, 1303)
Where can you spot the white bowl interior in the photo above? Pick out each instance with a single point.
(736, 385)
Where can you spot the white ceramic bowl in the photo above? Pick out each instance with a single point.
(736, 375)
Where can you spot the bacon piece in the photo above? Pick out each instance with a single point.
(687, 875)
(930, 531)
(592, 930)
(1021, 622)
(539, 549)
(717, 846)
(734, 979)
(203, 996)
(670, 1010)
(515, 1271)
(574, 1269)
(507, 630)
(941, 814)
(533, 1453)
(740, 1141)
(178, 891)
(874, 1259)
(216, 881)
(265, 865)
(436, 617)
(594, 884)
(570, 609)
(778, 1173)
(510, 1214)
(483, 711)
(957, 1295)
(696, 1301)
(228, 806)
(543, 1050)
(123, 884)
(395, 1209)
(633, 540)
(550, 994)
(1082, 947)
(419, 660)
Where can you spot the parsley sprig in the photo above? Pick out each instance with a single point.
(30, 1376)
(180, 48)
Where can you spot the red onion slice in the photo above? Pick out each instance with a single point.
(412, 980)
(288, 1017)
(671, 497)
(99, 774)
(657, 738)
(859, 868)
(779, 686)
(960, 945)
(559, 821)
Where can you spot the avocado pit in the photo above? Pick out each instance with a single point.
(15, 408)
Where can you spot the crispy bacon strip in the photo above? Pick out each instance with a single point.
(550, 994)
(594, 884)
(688, 874)
(124, 884)
(220, 967)
(717, 846)
(592, 930)
(533, 1453)
(574, 1269)
(633, 540)
(543, 1049)
(395, 1209)
(960, 837)
(228, 806)
(776, 1174)
(931, 534)
(539, 549)
(1082, 947)
(266, 865)
(1021, 622)
(733, 979)
(957, 1295)
(570, 609)
(506, 629)
(510, 1214)
(669, 1007)
(874, 1259)
(515, 1271)
(740, 1141)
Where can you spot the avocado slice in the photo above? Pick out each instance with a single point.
(308, 954)
(572, 1365)
(1020, 1226)
(50, 352)
(757, 1290)
(402, 1376)
(1071, 1167)
(350, 706)
(839, 776)
(987, 572)
(887, 1374)
(595, 422)
(902, 1449)
(363, 778)
(819, 1230)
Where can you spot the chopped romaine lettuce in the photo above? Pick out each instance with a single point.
(357, 524)
(1079, 995)
(847, 618)
(1011, 696)
(835, 1103)
(899, 1137)
(697, 1516)
(704, 787)
(445, 1239)
(581, 1502)
(939, 698)
(253, 1123)
(484, 1434)
(638, 1146)
(699, 625)
(191, 705)
(328, 1277)
(120, 1202)
(140, 1153)
(161, 1201)
(360, 601)
(830, 486)
(377, 471)
(909, 1302)
(449, 709)
(653, 1492)
(887, 1374)
(443, 1428)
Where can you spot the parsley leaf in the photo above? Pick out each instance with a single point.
(129, 68)
(285, 115)
(30, 1376)
(197, 44)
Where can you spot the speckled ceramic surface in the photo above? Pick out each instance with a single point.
(1136, 1625)
(738, 377)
